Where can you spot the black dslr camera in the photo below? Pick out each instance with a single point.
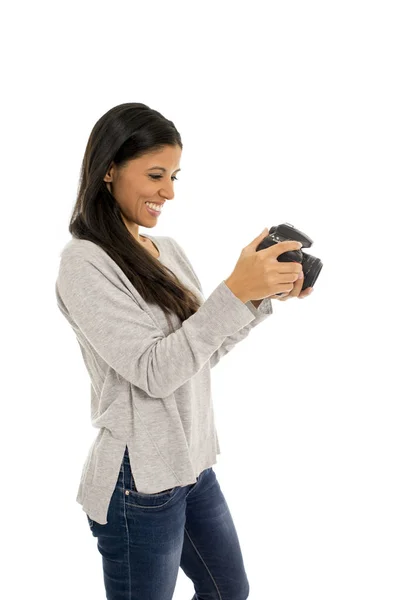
(311, 266)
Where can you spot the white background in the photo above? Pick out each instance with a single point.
(288, 112)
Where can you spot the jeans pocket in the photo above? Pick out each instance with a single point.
(157, 499)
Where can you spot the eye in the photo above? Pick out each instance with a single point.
(160, 176)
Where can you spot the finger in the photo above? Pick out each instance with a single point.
(292, 294)
(290, 267)
(282, 247)
(297, 288)
(306, 293)
(294, 278)
(259, 238)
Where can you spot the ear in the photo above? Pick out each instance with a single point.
(110, 173)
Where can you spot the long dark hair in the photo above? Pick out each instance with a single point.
(125, 132)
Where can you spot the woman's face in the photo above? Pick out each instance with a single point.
(149, 178)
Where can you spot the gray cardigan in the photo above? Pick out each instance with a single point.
(150, 386)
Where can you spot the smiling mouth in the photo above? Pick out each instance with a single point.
(152, 211)
(159, 204)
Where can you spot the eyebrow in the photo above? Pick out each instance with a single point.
(162, 169)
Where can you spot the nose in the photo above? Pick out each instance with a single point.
(168, 197)
(169, 194)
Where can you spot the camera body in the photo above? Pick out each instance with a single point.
(311, 265)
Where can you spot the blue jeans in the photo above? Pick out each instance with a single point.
(149, 536)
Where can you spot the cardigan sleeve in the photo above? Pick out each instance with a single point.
(110, 319)
(263, 311)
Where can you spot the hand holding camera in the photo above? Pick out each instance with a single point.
(271, 263)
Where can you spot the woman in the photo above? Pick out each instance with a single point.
(149, 340)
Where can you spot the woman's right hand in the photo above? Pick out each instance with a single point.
(258, 274)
